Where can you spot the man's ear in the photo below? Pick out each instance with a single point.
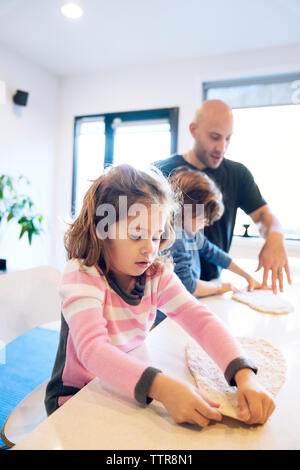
(192, 128)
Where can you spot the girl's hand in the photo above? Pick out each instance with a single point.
(253, 284)
(227, 287)
(255, 403)
(183, 402)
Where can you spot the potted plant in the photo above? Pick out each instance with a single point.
(14, 204)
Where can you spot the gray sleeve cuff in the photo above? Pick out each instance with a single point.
(142, 387)
(235, 365)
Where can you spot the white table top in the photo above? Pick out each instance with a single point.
(99, 418)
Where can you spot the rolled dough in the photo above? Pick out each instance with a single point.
(264, 301)
(210, 380)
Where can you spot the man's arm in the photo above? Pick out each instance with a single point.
(273, 255)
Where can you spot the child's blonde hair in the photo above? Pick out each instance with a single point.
(147, 186)
(197, 188)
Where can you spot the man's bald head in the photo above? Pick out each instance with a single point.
(211, 129)
(212, 108)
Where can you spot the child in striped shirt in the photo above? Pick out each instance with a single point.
(112, 286)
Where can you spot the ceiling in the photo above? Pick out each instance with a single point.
(117, 33)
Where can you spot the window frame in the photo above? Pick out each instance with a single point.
(171, 114)
(259, 80)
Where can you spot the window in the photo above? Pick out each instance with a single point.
(138, 138)
(266, 128)
(89, 161)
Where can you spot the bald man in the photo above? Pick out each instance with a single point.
(211, 130)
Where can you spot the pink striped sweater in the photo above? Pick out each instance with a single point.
(100, 324)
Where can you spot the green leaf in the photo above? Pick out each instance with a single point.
(22, 231)
(9, 183)
(15, 204)
(29, 237)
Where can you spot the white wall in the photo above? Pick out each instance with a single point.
(155, 86)
(28, 139)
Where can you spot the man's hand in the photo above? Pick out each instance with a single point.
(273, 257)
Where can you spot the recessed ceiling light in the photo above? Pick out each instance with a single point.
(71, 10)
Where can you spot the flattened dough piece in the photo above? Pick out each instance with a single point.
(211, 382)
(264, 301)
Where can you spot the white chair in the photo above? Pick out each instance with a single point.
(28, 299)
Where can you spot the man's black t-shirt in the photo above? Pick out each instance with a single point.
(238, 189)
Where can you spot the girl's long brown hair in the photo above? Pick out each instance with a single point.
(149, 186)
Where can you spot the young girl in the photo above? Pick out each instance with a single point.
(111, 288)
(199, 191)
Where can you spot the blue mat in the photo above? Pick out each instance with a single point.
(26, 362)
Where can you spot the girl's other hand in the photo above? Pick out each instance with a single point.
(227, 287)
(255, 403)
(183, 402)
(253, 284)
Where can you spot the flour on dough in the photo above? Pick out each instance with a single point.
(264, 301)
(210, 380)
